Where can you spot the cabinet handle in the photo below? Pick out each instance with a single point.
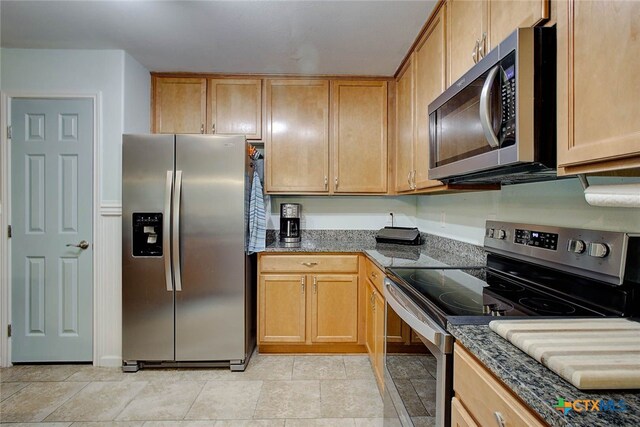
(374, 275)
(315, 285)
(302, 284)
(326, 182)
(500, 419)
(373, 301)
(309, 264)
(413, 179)
(202, 128)
(409, 179)
(476, 52)
(213, 128)
(483, 45)
(336, 181)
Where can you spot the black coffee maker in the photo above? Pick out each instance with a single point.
(290, 223)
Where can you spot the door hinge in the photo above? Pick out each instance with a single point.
(9, 232)
(9, 331)
(8, 132)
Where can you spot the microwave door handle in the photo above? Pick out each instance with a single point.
(485, 107)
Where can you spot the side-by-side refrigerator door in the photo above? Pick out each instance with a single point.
(147, 286)
(211, 290)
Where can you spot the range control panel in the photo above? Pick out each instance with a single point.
(536, 238)
(593, 253)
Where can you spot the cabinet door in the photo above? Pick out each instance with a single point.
(598, 85)
(378, 354)
(459, 415)
(370, 323)
(404, 127)
(281, 308)
(235, 107)
(359, 134)
(505, 16)
(180, 105)
(334, 308)
(297, 145)
(467, 24)
(429, 60)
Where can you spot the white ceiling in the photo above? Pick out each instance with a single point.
(298, 37)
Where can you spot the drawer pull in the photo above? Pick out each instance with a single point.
(374, 275)
(309, 264)
(500, 419)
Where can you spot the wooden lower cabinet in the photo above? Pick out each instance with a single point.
(282, 310)
(334, 313)
(314, 312)
(375, 331)
(459, 415)
(482, 399)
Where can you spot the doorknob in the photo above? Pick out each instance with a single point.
(82, 245)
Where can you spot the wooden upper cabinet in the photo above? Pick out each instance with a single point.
(297, 142)
(359, 136)
(429, 59)
(487, 22)
(598, 86)
(466, 26)
(235, 107)
(505, 16)
(404, 127)
(180, 105)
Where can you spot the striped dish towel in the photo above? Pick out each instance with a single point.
(257, 218)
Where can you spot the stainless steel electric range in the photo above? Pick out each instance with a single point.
(531, 270)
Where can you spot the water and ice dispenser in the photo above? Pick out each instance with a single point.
(147, 234)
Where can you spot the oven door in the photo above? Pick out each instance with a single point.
(418, 372)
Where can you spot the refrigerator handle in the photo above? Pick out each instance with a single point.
(176, 232)
(166, 231)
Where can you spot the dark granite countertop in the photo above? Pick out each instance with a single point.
(538, 386)
(435, 250)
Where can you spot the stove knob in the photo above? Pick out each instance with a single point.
(490, 232)
(501, 234)
(576, 246)
(598, 250)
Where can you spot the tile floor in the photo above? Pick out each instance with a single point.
(273, 391)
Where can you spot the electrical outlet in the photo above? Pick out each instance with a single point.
(443, 219)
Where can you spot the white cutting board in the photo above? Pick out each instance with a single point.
(592, 354)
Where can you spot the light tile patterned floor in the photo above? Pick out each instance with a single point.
(292, 391)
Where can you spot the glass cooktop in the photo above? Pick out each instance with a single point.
(445, 292)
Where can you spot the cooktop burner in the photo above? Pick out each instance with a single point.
(547, 306)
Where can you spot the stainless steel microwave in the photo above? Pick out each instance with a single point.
(497, 123)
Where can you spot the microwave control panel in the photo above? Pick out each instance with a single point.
(508, 98)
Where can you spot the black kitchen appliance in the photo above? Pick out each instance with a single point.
(531, 270)
(290, 223)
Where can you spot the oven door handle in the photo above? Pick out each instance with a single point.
(420, 323)
(485, 108)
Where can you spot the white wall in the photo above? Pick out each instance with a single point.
(550, 203)
(347, 212)
(136, 96)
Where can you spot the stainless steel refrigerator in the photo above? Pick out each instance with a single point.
(188, 287)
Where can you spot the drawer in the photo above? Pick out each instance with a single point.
(375, 275)
(484, 396)
(309, 264)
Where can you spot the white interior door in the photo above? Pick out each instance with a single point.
(51, 209)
